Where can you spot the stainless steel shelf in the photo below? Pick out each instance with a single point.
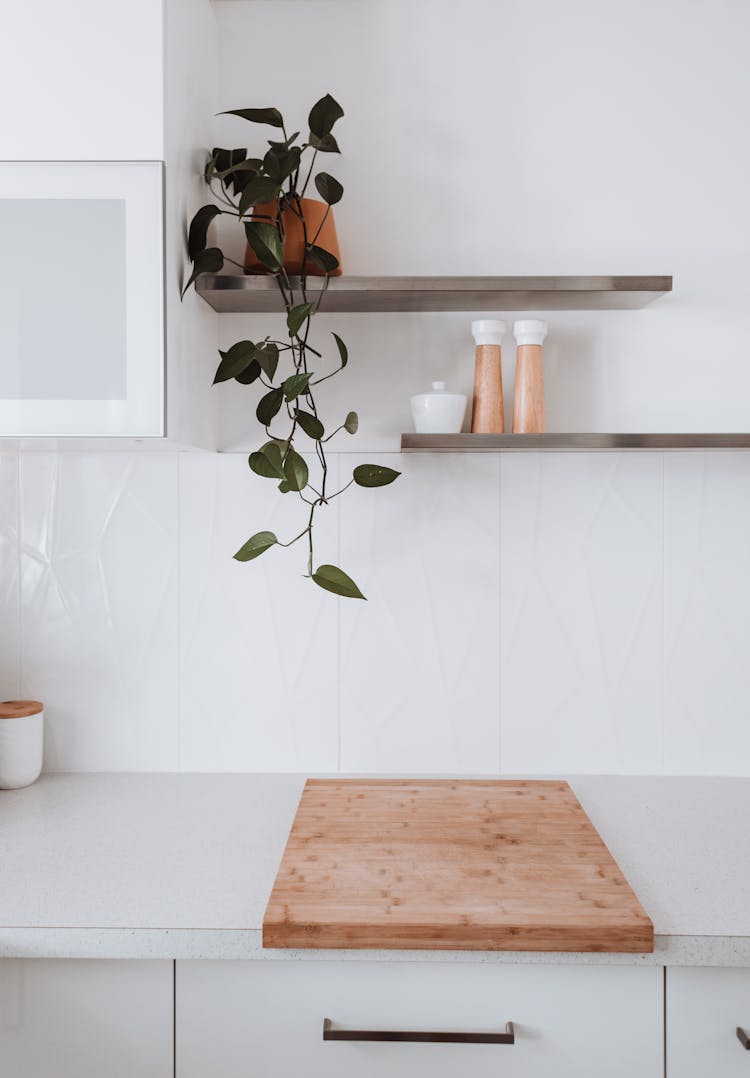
(495, 443)
(253, 294)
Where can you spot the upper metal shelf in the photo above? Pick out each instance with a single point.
(252, 294)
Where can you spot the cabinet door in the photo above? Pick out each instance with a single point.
(264, 1019)
(85, 1019)
(81, 299)
(704, 1009)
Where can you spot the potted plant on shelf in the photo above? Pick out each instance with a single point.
(291, 237)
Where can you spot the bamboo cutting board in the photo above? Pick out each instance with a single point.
(442, 864)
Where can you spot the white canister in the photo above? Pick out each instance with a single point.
(21, 742)
(438, 412)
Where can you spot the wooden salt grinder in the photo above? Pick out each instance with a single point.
(528, 400)
(487, 410)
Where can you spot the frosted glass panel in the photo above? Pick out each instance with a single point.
(63, 299)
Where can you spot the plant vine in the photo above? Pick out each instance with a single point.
(263, 194)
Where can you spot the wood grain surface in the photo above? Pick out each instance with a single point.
(19, 709)
(450, 864)
(529, 414)
(487, 415)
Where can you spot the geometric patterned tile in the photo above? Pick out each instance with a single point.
(259, 662)
(420, 674)
(707, 598)
(581, 613)
(99, 607)
(9, 604)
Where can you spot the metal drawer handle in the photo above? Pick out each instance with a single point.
(743, 1038)
(331, 1034)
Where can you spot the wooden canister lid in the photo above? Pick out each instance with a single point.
(16, 709)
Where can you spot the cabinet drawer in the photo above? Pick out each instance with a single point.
(704, 1009)
(264, 1019)
(85, 1019)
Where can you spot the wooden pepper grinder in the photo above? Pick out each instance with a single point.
(528, 401)
(487, 410)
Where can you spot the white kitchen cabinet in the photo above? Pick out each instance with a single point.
(264, 1019)
(134, 90)
(704, 1008)
(85, 1019)
(81, 299)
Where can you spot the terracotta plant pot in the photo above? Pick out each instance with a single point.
(294, 237)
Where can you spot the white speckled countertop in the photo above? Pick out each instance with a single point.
(181, 866)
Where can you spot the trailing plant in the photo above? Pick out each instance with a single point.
(289, 371)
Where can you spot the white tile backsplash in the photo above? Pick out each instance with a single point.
(9, 597)
(581, 612)
(707, 599)
(259, 650)
(99, 613)
(531, 613)
(420, 673)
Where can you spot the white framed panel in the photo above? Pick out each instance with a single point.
(81, 299)
(83, 1018)
(257, 1019)
(704, 1009)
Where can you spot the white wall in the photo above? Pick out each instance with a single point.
(526, 613)
(82, 80)
(526, 137)
(190, 102)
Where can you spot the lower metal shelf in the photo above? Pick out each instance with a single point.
(494, 443)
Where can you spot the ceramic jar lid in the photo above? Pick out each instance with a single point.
(17, 709)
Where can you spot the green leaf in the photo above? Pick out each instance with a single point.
(373, 475)
(295, 471)
(324, 259)
(255, 546)
(279, 164)
(238, 176)
(258, 189)
(296, 384)
(249, 375)
(351, 423)
(310, 424)
(296, 317)
(323, 115)
(224, 159)
(209, 261)
(334, 579)
(284, 487)
(269, 406)
(267, 462)
(285, 144)
(329, 189)
(265, 240)
(327, 144)
(343, 350)
(235, 361)
(267, 356)
(231, 167)
(198, 233)
(272, 117)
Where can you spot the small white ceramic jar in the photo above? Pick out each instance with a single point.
(438, 412)
(21, 743)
